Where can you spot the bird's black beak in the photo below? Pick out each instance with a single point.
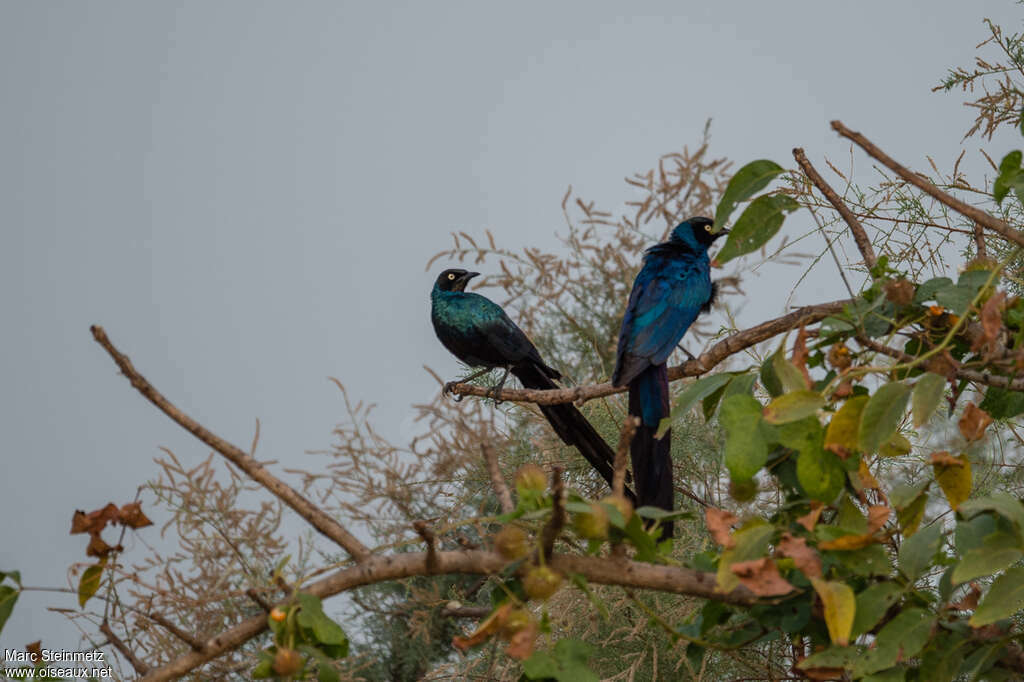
(464, 280)
(721, 233)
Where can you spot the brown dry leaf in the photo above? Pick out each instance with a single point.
(944, 364)
(35, 650)
(761, 576)
(520, 645)
(849, 542)
(970, 600)
(483, 632)
(719, 524)
(810, 519)
(94, 521)
(131, 515)
(899, 291)
(867, 480)
(843, 391)
(944, 459)
(799, 358)
(824, 674)
(878, 516)
(805, 558)
(974, 422)
(991, 324)
(98, 548)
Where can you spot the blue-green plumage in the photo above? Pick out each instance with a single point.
(479, 333)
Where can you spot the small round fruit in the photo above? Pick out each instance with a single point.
(517, 619)
(541, 582)
(592, 525)
(287, 662)
(531, 477)
(742, 491)
(277, 615)
(512, 543)
(624, 506)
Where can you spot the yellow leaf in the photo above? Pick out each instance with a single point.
(897, 446)
(845, 425)
(840, 607)
(954, 477)
(846, 543)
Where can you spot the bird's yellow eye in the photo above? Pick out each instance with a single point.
(451, 276)
(707, 228)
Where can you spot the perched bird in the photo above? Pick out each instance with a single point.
(479, 333)
(673, 287)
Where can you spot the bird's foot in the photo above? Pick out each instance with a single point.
(450, 388)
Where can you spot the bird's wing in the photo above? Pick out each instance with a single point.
(501, 333)
(662, 306)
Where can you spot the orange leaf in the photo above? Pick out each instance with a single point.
(520, 645)
(761, 576)
(799, 358)
(878, 515)
(131, 515)
(810, 519)
(849, 542)
(974, 422)
(483, 631)
(719, 524)
(805, 558)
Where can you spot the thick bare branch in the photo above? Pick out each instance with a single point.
(256, 471)
(859, 235)
(122, 648)
(980, 217)
(725, 348)
(600, 570)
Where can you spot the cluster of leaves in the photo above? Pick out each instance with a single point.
(306, 641)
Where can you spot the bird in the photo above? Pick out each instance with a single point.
(479, 333)
(672, 288)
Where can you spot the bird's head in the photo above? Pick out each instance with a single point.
(698, 232)
(455, 279)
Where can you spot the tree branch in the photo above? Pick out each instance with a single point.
(976, 214)
(140, 667)
(376, 569)
(497, 479)
(256, 471)
(176, 631)
(859, 235)
(983, 378)
(725, 348)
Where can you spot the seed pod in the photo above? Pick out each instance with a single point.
(541, 582)
(512, 543)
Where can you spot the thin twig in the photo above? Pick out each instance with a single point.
(424, 531)
(176, 631)
(980, 217)
(260, 601)
(557, 521)
(629, 427)
(256, 471)
(497, 479)
(859, 235)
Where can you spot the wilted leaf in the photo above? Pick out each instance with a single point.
(521, 643)
(845, 543)
(840, 608)
(804, 557)
(969, 601)
(973, 423)
(991, 324)
(1003, 599)
(131, 515)
(720, 524)
(484, 630)
(953, 475)
(882, 415)
(94, 521)
(810, 519)
(927, 396)
(878, 515)
(747, 182)
(751, 543)
(761, 576)
(756, 225)
(790, 407)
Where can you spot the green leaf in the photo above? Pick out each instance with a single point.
(747, 182)
(769, 379)
(1004, 504)
(791, 378)
(13, 575)
(927, 291)
(872, 604)
(1009, 176)
(956, 298)
(567, 663)
(312, 616)
(917, 551)
(645, 544)
(927, 395)
(756, 225)
(832, 657)
(910, 503)
(745, 449)
(90, 582)
(821, 474)
(325, 669)
(790, 407)
(691, 395)
(751, 543)
(1003, 599)
(998, 551)
(8, 598)
(882, 415)
(844, 429)
(1002, 404)
(901, 639)
(869, 561)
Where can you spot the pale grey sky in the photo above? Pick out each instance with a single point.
(245, 193)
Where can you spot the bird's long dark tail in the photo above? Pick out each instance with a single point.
(571, 426)
(652, 457)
